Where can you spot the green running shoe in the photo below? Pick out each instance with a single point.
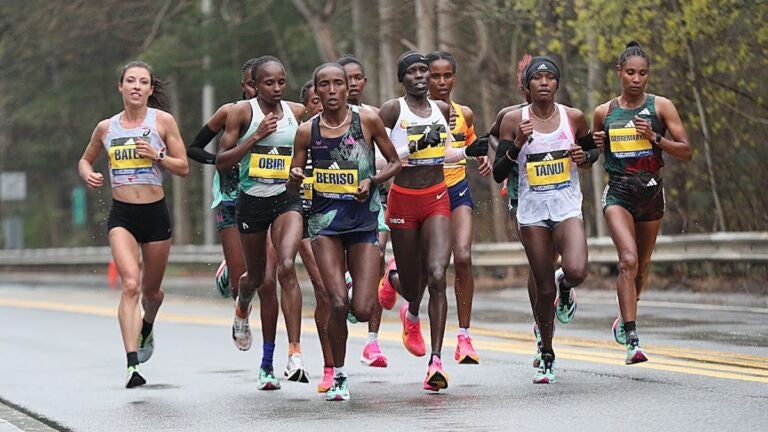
(546, 372)
(635, 354)
(618, 332)
(267, 380)
(340, 389)
(565, 305)
(146, 346)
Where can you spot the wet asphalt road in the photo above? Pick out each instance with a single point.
(62, 363)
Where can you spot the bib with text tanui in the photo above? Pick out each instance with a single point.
(626, 142)
(434, 155)
(270, 164)
(549, 171)
(336, 179)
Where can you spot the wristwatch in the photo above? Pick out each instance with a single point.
(160, 156)
(657, 139)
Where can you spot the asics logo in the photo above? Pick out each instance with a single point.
(397, 221)
(245, 225)
(441, 195)
(462, 193)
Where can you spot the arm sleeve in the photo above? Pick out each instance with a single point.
(501, 164)
(196, 150)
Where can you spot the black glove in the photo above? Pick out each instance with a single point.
(431, 137)
(479, 147)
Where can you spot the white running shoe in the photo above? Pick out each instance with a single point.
(295, 371)
(241, 332)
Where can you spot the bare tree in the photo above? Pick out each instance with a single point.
(319, 16)
(386, 71)
(425, 25)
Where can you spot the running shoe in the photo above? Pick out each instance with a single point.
(436, 379)
(546, 372)
(340, 389)
(350, 316)
(326, 383)
(146, 347)
(294, 370)
(635, 354)
(387, 292)
(223, 286)
(267, 380)
(537, 356)
(372, 356)
(134, 378)
(565, 306)
(241, 331)
(465, 353)
(618, 332)
(412, 338)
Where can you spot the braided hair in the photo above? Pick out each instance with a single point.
(442, 55)
(633, 49)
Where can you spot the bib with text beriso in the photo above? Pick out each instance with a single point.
(336, 179)
(270, 164)
(125, 159)
(434, 155)
(549, 171)
(626, 142)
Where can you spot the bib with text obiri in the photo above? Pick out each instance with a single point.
(270, 164)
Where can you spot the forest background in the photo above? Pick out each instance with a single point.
(60, 63)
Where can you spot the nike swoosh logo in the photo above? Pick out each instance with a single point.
(439, 196)
(462, 193)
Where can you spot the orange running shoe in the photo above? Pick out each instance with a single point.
(465, 353)
(436, 379)
(387, 293)
(412, 338)
(326, 383)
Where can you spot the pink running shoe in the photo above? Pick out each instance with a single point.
(326, 383)
(372, 356)
(387, 293)
(412, 338)
(436, 379)
(465, 353)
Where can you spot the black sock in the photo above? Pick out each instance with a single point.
(133, 358)
(146, 328)
(629, 326)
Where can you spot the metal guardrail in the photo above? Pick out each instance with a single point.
(718, 247)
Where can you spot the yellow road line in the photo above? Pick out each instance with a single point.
(694, 362)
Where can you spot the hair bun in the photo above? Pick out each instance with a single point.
(632, 43)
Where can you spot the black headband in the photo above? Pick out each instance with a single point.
(406, 62)
(540, 64)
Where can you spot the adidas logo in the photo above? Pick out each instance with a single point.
(274, 151)
(542, 67)
(644, 112)
(548, 157)
(130, 141)
(652, 182)
(334, 166)
(630, 124)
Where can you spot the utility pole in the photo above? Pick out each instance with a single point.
(207, 110)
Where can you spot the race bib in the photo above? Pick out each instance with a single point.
(125, 159)
(627, 143)
(270, 164)
(459, 141)
(307, 185)
(336, 179)
(431, 155)
(549, 171)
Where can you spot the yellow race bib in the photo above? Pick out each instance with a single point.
(430, 155)
(549, 171)
(270, 164)
(306, 188)
(627, 143)
(336, 179)
(124, 157)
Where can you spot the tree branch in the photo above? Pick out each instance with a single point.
(156, 25)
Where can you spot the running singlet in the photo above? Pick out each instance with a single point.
(225, 188)
(264, 170)
(410, 127)
(549, 183)
(463, 136)
(339, 165)
(126, 166)
(626, 152)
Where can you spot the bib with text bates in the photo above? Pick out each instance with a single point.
(430, 155)
(627, 143)
(549, 171)
(336, 179)
(270, 164)
(125, 159)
